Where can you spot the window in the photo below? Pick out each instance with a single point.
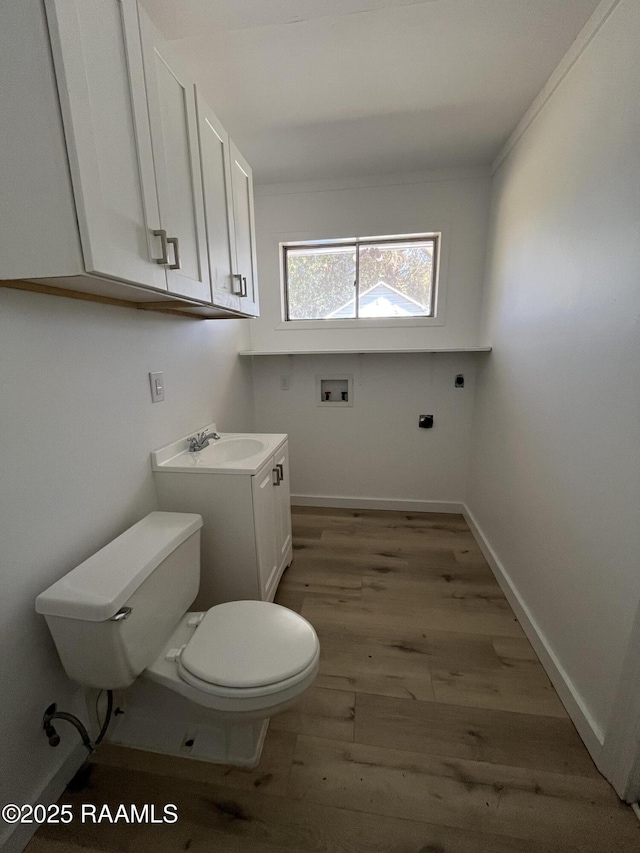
(390, 277)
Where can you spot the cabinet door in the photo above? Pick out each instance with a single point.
(243, 217)
(174, 137)
(98, 63)
(216, 181)
(264, 518)
(283, 508)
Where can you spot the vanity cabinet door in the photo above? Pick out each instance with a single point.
(215, 159)
(174, 137)
(245, 232)
(264, 520)
(283, 509)
(100, 78)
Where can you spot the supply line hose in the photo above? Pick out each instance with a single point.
(53, 714)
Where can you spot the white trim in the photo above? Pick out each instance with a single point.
(582, 41)
(365, 181)
(378, 503)
(587, 727)
(21, 835)
(620, 761)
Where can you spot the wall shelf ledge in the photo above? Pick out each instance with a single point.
(364, 351)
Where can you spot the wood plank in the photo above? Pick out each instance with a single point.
(299, 578)
(411, 541)
(525, 690)
(514, 648)
(299, 573)
(413, 588)
(313, 553)
(528, 804)
(423, 521)
(498, 737)
(312, 521)
(407, 620)
(324, 713)
(370, 665)
(292, 600)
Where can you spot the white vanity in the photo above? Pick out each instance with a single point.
(239, 484)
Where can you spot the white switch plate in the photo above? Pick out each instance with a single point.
(156, 381)
(285, 382)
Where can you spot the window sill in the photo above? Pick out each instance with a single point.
(360, 323)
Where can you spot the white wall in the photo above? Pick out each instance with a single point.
(455, 203)
(77, 426)
(375, 450)
(555, 483)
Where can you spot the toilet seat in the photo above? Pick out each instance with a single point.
(263, 692)
(249, 647)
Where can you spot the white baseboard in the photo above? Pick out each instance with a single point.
(588, 729)
(21, 835)
(377, 503)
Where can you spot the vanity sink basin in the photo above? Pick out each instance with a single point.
(232, 453)
(230, 449)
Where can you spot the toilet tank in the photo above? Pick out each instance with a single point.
(153, 569)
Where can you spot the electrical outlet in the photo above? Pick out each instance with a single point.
(285, 382)
(156, 381)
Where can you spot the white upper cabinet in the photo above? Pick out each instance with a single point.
(228, 198)
(106, 165)
(243, 216)
(216, 180)
(174, 137)
(98, 62)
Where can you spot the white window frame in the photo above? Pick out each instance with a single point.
(439, 284)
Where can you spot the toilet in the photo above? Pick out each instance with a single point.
(196, 684)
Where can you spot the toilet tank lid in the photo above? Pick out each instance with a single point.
(95, 590)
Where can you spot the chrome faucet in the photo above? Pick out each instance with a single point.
(201, 440)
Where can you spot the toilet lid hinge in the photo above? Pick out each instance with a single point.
(174, 654)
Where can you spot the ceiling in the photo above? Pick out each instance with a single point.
(313, 89)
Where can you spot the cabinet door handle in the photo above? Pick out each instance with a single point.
(244, 286)
(176, 253)
(276, 475)
(280, 468)
(162, 234)
(239, 277)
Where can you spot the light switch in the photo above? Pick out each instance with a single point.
(156, 381)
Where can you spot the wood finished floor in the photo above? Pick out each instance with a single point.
(431, 728)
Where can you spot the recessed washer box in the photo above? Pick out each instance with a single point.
(334, 389)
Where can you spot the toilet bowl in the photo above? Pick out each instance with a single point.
(242, 657)
(199, 685)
